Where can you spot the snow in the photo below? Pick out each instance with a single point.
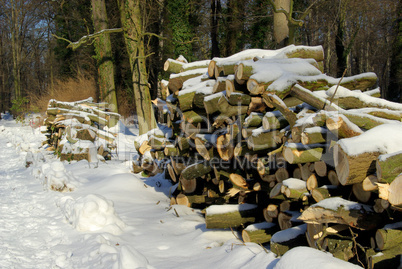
(334, 203)
(294, 183)
(309, 258)
(370, 100)
(223, 209)
(111, 218)
(215, 95)
(91, 213)
(385, 138)
(259, 226)
(288, 234)
(384, 157)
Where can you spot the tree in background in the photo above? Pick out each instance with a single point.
(103, 56)
(395, 85)
(133, 21)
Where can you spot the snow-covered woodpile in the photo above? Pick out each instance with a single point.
(80, 130)
(264, 142)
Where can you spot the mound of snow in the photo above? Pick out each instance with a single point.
(91, 213)
(309, 258)
(55, 177)
(132, 258)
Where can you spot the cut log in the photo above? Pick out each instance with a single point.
(288, 219)
(176, 80)
(389, 237)
(233, 86)
(225, 147)
(314, 182)
(298, 153)
(341, 127)
(230, 216)
(238, 181)
(314, 135)
(195, 65)
(320, 168)
(257, 104)
(287, 239)
(239, 99)
(172, 66)
(390, 258)
(273, 100)
(228, 110)
(370, 183)
(360, 194)
(274, 120)
(195, 170)
(333, 178)
(353, 169)
(325, 192)
(253, 120)
(281, 174)
(261, 140)
(294, 188)
(391, 192)
(341, 211)
(259, 233)
(211, 102)
(389, 166)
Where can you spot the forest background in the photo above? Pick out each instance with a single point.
(36, 64)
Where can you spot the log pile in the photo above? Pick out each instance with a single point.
(264, 142)
(80, 130)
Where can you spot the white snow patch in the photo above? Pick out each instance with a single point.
(334, 203)
(385, 138)
(92, 213)
(223, 209)
(310, 258)
(294, 183)
(288, 234)
(54, 176)
(384, 157)
(259, 226)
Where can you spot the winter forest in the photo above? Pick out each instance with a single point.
(360, 36)
(201, 134)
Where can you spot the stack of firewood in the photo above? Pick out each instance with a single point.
(76, 130)
(264, 142)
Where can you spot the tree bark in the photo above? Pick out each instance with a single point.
(103, 49)
(132, 21)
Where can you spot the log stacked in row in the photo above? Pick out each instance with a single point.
(80, 130)
(264, 142)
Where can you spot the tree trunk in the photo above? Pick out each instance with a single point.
(281, 28)
(104, 56)
(132, 21)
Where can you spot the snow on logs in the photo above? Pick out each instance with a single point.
(262, 141)
(81, 130)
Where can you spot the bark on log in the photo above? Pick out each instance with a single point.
(274, 120)
(298, 153)
(264, 140)
(287, 239)
(389, 166)
(273, 100)
(230, 216)
(259, 233)
(314, 135)
(195, 170)
(211, 102)
(360, 194)
(172, 66)
(340, 126)
(391, 192)
(353, 169)
(389, 237)
(341, 212)
(228, 110)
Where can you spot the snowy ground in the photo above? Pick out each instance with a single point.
(112, 218)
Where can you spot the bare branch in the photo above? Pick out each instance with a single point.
(85, 39)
